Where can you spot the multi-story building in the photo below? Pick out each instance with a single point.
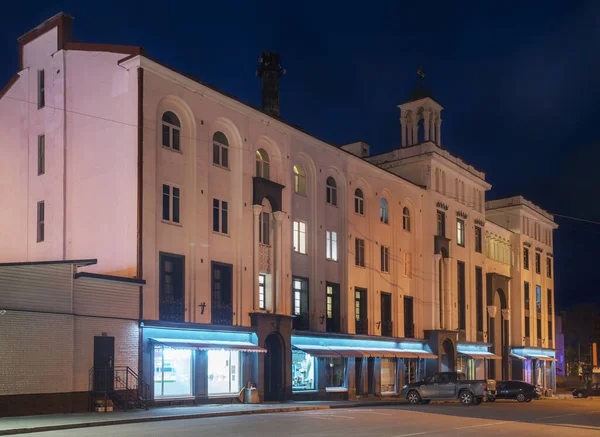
(268, 255)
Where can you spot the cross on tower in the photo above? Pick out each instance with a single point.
(421, 74)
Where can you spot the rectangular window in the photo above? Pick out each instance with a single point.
(538, 263)
(359, 252)
(300, 303)
(460, 232)
(549, 298)
(548, 267)
(462, 311)
(264, 228)
(526, 294)
(166, 136)
(171, 203)
(41, 214)
(478, 240)
(171, 288)
(539, 329)
(220, 155)
(223, 372)
(360, 311)
(220, 216)
(479, 297)
(299, 237)
(550, 336)
(538, 298)
(261, 291)
(388, 375)
(409, 318)
(527, 327)
(441, 224)
(333, 307)
(41, 154)
(336, 373)
(41, 89)
(172, 372)
(526, 258)
(407, 264)
(385, 259)
(303, 371)
(332, 253)
(176, 145)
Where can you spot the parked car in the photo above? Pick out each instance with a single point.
(518, 390)
(447, 385)
(584, 392)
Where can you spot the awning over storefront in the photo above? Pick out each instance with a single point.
(540, 357)
(242, 346)
(479, 355)
(518, 357)
(533, 354)
(361, 352)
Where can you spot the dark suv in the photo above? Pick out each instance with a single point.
(447, 385)
(518, 390)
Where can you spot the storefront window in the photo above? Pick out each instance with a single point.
(479, 367)
(223, 372)
(527, 376)
(303, 371)
(410, 370)
(388, 375)
(172, 372)
(461, 364)
(539, 373)
(336, 372)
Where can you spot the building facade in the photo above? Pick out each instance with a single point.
(268, 255)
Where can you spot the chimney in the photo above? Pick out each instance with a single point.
(269, 70)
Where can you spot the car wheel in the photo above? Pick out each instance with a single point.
(413, 397)
(491, 399)
(521, 397)
(465, 397)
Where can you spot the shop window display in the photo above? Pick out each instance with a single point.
(303, 371)
(336, 373)
(172, 372)
(388, 375)
(223, 372)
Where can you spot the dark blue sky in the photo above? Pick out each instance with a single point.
(520, 83)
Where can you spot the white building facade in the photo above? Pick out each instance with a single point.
(268, 255)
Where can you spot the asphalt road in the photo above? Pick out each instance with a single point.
(503, 418)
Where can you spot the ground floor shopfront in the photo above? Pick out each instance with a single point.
(535, 366)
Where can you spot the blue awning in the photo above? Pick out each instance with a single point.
(362, 352)
(242, 346)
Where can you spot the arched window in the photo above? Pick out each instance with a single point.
(331, 191)
(359, 202)
(299, 180)
(262, 164)
(383, 211)
(406, 219)
(220, 150)
(171, 131)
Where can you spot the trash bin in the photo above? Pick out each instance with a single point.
(251, 396)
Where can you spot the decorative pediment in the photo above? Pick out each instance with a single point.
(479, 222)
(442, 206)
(462, 214)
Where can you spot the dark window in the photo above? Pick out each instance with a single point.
(549, 297)
(441, 224)
(406, 219)
(176, 202)
(409, 321)
(550, 333)
(359, 202)
(538, 263)
(526, 294)
(478, 240)
(460, 232)
(479, 297)
(526, 258)
(300, 303)
(222, 294)
(462, 311)
(171, 130)
(333, 307)
(220, 216)
(331, 191)
(41, 89)
(171, 288)
(386, 314)
(538, 298)
(359, 254)
(527, 327)
(166, 215)
(360, 311)
(41, 154)
(548, 267)
(539, 328)
(385, 259)
(264, 228)
(41, 214)
(220, 150)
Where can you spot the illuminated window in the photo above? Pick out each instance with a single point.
(299, 231)
(261, 291)
(171, 131)
(220, 150)
(262, 164)
(331, 252)
(303, 371)
(172, 372)
(223, 372)
(299, 180)
(460, 232)
(331, 191)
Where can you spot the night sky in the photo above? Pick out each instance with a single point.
(520, 83)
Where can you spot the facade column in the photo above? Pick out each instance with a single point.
(431, 127)
(492, 310)
(403, 128)
(278, 263)
(415, 131)
(506, 370)
(256, 210)
(438, 131)
(426, 125)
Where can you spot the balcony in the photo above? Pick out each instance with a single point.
(441, 245)
(362, 326)
(301, 322)
(172, 311)
(387, 328)
(333, 325)
(222, 315)
(409, 330)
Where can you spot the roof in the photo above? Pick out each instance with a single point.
(109, 278)
(77, 262)
(419, 93)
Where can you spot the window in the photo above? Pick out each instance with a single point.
(539, 329)
(407, 264)
(264, 228)
(41, 213)
(385, 259)
(262, 164)
(262, 279)
(171, 131)
(549, 298)
(220, 150)
(332, 253)
(548, 267)
(333, 307)
(359, 202)
(406, 219)
(299, 180)
(223, 372)
(171, 288)
(550, 330)
(462, 310)
(360, 311)
(460, 232)
(383, 211)
(388, 375)
(538, 263)
(171, 203)
(41, 154)
(300, 291)
(527, 327)
(526, 258)
(336, 373)
(299, 237)
(479, 297)
(172, 372)
(220, 219)
(478, 240)
(331, 191)
(538, 298)
(441, 224)
(359, 252)
(526, 295)
(41, 89)
(303, 371)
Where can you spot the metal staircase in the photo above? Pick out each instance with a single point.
(121, 385)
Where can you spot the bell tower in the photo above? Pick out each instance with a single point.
(420, 116)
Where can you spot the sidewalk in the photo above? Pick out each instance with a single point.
(30, 424)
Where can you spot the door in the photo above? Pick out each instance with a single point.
(386, 314)
(273, 369)
(446, 387)
(104, 353)
(333, 307)
(222, 294)
(430, 389)
(172, 287)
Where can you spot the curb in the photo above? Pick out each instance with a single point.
(16, 431)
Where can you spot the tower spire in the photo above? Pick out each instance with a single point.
(421, 74)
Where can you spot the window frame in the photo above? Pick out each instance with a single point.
(41, 221)
(406, 219)
(264, 228)
(384, 213)
(262, 291)
(41, 152)
(171, 204)
(359, 202)
(220, 150)
(173, 132)
(359, 252)
(385, 258)
(263, 164)
(299, 180)
(41, 89)
(441, 224)
(526, 258)
(548, 267)
(331, 191)
(478, 239)
(297, 234)
(538, 263)
(460, 232)
(221, 213)
(331, 251)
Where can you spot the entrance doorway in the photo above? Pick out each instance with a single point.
(274, 365)
(448, 361)
(104, 362)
